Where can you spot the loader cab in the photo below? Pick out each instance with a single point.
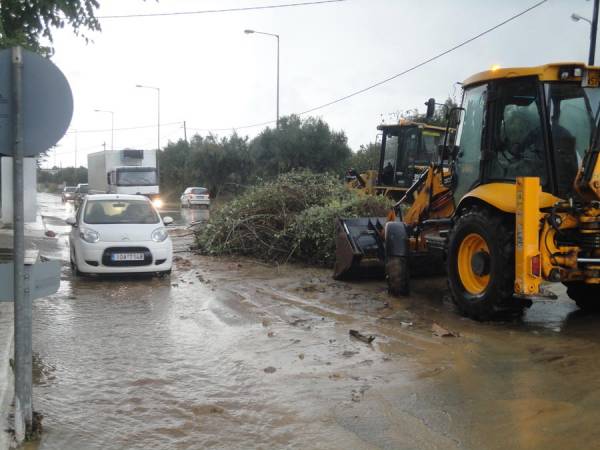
(535, 122)
(406, 151)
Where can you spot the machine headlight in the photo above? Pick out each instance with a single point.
(157, 202)
(89, 235)
(160, 234)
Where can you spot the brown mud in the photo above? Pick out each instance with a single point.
(232, 353)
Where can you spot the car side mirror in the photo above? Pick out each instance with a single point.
(71, 221)
(167, 220)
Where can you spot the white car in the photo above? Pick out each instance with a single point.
(114, 233)
(195, 196)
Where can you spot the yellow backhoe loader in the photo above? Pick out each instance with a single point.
(407, 149)
(524, 177)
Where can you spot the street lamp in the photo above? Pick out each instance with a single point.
(112, 126)
(158, 110)
(276, 36)
(594, 28)
(576, 18)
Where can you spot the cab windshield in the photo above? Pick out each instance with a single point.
(572, 111)
(430, 140)
(522, 116)
(136, 176)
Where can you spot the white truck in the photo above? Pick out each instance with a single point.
(124, 172)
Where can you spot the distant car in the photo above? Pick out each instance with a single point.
(68, 193)
(80, 192)
(117, 233)
(195, 196)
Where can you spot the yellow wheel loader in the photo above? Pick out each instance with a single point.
(367, 245)
(524, 176)
(407, 149)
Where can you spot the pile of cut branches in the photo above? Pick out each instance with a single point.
(289, 219)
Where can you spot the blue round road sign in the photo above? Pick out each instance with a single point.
(47, 103)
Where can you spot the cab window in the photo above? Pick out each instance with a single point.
(389, 159)
(572, 109)
(469, 139)
(518, 139)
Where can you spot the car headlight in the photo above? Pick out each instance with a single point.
(89, 235)
(158, 203)
(160, 234)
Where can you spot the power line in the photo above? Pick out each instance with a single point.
(358, 92)
(421, 64)
(393, 77)
(234, 128)
(213, 11)
(139, 127)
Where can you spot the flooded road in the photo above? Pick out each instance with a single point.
(235, 354)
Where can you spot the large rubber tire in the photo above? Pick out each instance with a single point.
(587, 296)
(397, 275)
(485, 290)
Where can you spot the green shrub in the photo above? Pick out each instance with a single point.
(289, 219)
(314, 228)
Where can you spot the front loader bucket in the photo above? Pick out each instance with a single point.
(359, 248)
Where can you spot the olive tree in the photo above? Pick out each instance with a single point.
(30, 22)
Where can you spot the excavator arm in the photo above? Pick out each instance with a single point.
(587, 182)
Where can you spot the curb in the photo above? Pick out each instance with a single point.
(6, 373)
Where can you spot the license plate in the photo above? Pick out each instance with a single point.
(127, 257)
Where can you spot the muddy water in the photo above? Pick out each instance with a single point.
(235, 354)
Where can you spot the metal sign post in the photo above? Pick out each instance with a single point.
(22, 314)
(36, 106)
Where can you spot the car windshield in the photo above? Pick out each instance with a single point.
(120, 211)
(199, 191)
(70, 189)
(136, 177)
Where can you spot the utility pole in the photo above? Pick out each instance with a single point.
(112, 125)
(593, 34)
(185, 132)
(75, 148)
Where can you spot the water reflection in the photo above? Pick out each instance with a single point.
(186, 216)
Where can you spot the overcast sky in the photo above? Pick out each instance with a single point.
(213, 76)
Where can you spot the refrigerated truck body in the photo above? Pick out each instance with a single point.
(123, 172)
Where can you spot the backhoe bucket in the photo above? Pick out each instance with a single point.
(359, 247)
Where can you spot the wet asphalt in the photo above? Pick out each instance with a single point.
(235, 354)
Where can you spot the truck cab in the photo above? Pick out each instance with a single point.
(127, 171)
(132, 180)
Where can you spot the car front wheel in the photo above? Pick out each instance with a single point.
(74, 268)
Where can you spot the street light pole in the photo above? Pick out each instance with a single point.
(594, 29)
(275, 36)
(112, 126)
(593, 34)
